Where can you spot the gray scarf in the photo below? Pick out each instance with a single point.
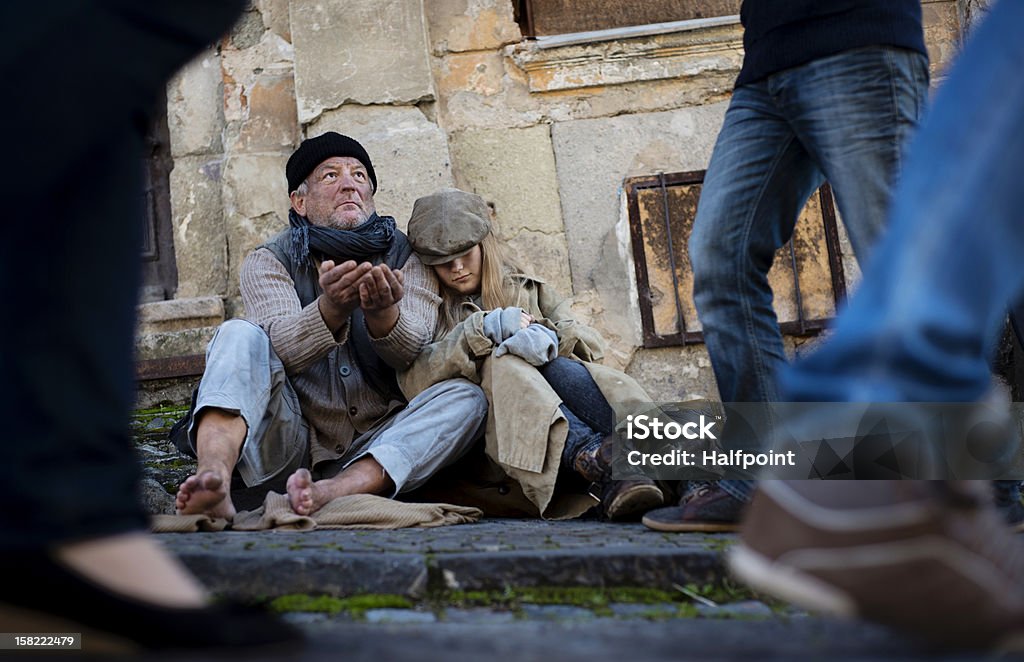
(366, 240)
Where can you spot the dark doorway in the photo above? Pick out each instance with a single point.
(159, 269)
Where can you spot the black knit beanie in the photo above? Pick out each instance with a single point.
(314, 151)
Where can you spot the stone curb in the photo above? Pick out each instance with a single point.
(597, 568)
(262, 565)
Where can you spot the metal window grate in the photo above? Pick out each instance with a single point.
(807, 275)
(538, 18)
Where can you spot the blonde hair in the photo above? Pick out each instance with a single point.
(501, 286)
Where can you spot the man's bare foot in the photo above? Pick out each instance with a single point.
(205, 493)
(364, 476)
(304, 494)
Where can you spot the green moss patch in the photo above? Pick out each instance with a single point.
(596, 599)
(664, 604)
(356, 606)
(168, 414)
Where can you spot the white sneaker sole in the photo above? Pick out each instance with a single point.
(809, 592)
(788, 583)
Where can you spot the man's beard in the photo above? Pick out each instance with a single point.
(347, 222)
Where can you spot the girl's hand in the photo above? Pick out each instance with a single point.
(525, 319)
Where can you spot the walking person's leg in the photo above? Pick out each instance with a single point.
(920, 328)
(853, 112)
(72, 531)
(758, 179)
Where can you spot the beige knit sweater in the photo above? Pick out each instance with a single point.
(336, 401)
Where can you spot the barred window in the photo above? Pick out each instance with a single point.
(807, 275)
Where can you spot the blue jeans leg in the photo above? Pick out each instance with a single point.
(845, 116)
(853, 112)
(578, 391)
(580, 435)
(922, 324)
(756, 183)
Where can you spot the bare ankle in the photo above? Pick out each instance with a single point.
(366, 476)
(219, 439)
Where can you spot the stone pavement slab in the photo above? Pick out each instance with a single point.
(493, 591)
(598, 640)
(489, 555)
(506, 590)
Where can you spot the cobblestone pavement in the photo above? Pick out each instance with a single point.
(571, 634)
(521, 590)
(513, 590)
(486, 556)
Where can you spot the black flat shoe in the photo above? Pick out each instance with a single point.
(42, 595)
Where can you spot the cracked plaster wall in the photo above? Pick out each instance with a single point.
(446, 92)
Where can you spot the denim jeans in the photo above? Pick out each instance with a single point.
(585, 408)
(923, 324)
(572, 382)
(844, 118)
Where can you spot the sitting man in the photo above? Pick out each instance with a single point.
(336, 304)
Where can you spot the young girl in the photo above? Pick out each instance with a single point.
(550, 419)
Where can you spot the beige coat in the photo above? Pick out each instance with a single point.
(526, 430)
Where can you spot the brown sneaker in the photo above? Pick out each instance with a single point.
(708, 509)
(929, 557)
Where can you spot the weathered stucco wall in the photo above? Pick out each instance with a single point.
(445, 92)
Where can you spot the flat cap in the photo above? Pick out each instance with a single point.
(447, 224)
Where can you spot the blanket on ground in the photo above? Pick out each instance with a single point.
(358, 511)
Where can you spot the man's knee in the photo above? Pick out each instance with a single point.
(238, 343)
(712, 261)
(460, 392)
(238, 332)
(241, 370)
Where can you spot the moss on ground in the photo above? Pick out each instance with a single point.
(720, 593)
(355, 606)
(718, 543)
(596, 599)
(512, 599)
(142, 418)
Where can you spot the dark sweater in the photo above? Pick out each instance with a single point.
(779, 34)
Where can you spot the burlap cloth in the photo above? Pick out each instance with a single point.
(359, 511)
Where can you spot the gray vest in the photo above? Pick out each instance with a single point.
(379, 375)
